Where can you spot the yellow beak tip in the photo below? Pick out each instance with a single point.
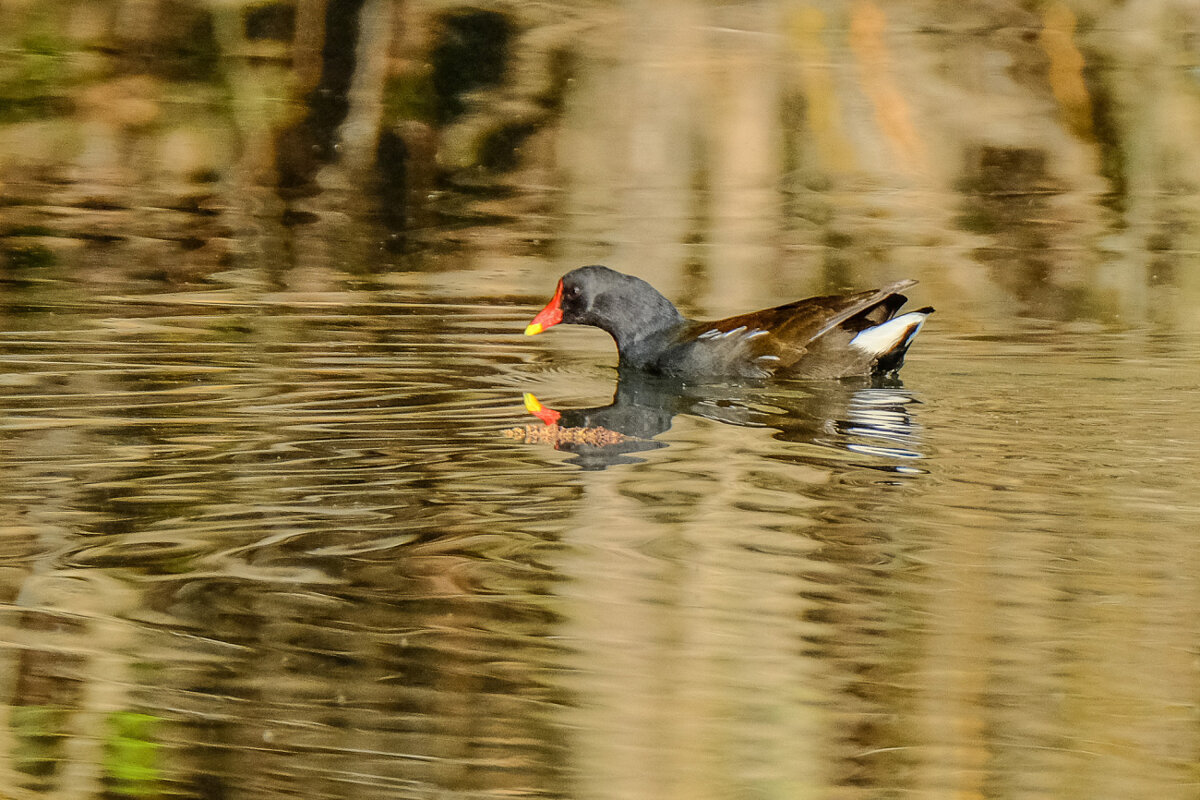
(531, 403)
(533, 330)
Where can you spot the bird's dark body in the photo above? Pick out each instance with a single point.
(809, 338)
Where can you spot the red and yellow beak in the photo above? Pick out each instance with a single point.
(546, 415)
(550, 315)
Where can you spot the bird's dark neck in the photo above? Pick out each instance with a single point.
(640, 344)
(640, 324)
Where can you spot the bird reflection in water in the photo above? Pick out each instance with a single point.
(861, 417)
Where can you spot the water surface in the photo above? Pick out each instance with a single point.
(277, 523)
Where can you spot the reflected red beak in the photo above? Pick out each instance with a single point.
(546, 415)
(550, 315)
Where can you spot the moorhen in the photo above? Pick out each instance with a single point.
(835, 336)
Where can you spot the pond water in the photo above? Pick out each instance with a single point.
(277, 521)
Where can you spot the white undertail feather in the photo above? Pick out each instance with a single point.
(891, 335)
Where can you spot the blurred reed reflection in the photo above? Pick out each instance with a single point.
(1032, 161)
(263, 270)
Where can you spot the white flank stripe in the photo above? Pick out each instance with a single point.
(892, 334)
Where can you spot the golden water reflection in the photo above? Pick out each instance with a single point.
(297, 561)
(264, 268)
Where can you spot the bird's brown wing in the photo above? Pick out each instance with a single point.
(776, 339)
